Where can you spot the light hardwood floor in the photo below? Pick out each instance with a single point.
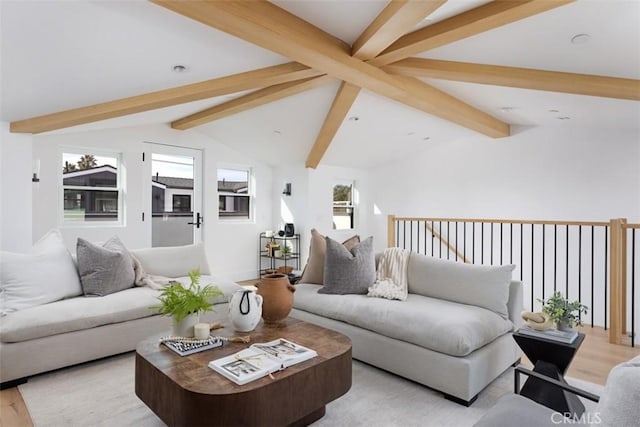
(592, 363)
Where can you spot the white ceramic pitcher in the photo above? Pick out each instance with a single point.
(245, 310)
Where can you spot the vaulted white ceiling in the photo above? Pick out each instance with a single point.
(58, 55)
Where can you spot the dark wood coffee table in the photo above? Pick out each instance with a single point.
(185, 391)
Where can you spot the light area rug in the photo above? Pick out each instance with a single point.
(101, 393)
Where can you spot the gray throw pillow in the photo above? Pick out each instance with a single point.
(348, 271)
(104, 269)
(314, 270)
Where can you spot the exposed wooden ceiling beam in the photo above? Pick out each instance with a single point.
(388, 26)
(343, 101)
(526, 78)
(249, 101)
(486, 17)
(164, 98)
(391, 24)
(271, 27)
(441, 104)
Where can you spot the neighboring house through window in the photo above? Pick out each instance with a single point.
(171, 194)
(343, 206)
(234, 193)
(91, 187)
(182, 203)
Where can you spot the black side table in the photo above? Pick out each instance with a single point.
(550, 358)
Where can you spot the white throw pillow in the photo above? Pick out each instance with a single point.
(45, 275)
(173, 261)
(485, 286)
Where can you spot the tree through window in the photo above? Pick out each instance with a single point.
(343, 206)
(91, 187)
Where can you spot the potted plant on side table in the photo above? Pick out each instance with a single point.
(566, 314)
(186, 304)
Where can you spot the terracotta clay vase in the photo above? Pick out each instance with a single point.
(278, 297)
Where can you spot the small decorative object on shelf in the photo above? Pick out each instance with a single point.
(286, 250)
(566, 314)
(289, 230)
(278, 297)
(185, 305)
(261, 360)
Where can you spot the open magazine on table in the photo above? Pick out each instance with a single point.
(260, 360)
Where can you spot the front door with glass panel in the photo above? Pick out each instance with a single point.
(176, 195)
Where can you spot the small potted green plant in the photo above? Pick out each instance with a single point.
(566, 314)
(286, 251)
(185, 304)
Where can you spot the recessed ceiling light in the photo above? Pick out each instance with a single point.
(564, 118)
(411, 133)
(506, 109)
(580, 38)
(354, 118)
(426, 138)
(277, 132)
(554, 111)
(179, 68)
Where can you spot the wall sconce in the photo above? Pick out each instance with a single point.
(287, 189)
(36, 171)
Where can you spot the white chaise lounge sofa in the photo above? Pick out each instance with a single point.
(453, 333)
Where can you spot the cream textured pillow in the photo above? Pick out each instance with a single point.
(618, 404)
(45, 275)
(104, 269)
(314, 270)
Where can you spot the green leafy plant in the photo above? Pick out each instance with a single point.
(561, 310)
(178, 301)
(286, 250)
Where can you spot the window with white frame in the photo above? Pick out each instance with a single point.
(234, 193)
(91, 187)
(343, 206)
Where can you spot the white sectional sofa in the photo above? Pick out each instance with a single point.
(75, 330)
(452, 333)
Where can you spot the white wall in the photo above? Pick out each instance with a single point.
(231, 247)
(556, 173)
(310, 203)
(15, 190)
(541, 173)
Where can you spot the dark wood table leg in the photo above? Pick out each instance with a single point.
(548, 394)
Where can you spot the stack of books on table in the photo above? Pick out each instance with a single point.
(566, 337)
(193, 346)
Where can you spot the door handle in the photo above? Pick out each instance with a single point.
(199, 220)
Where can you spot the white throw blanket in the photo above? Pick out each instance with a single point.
(144, 279)
(391, 278)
